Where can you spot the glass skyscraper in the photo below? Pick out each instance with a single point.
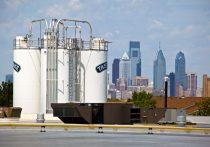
(125, 66)
(172, 83)
(180, 74)
(159, 72)
(115, 70)
(135, 58)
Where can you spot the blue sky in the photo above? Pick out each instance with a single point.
(180, 25)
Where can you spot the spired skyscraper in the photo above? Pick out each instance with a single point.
(180, 74)
(159, 72)
(115, 70)
(135, 58)
(125, 68)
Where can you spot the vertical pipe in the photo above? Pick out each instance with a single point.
(40, 31)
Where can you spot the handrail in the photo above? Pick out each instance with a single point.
(33, 21)
(95, 126)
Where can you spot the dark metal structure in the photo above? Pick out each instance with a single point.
(166, 93)
(105, 113)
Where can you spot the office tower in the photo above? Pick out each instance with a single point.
(135, 58)
(125, 68)
(121, 84)
(159, 72)
(172, 83)
(115, 70)
(180, 74)
(192, 83)
(9, 78)
(206, 86)
(140, 81)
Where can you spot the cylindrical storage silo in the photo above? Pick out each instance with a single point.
(20, 42)
(43, 97)
(26, 88)
(98, 44)
(93, 76)
(63, 76)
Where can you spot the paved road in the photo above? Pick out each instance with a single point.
(53, 138)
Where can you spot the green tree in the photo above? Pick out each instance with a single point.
(203, 108)
(143, 99)
(6, 94)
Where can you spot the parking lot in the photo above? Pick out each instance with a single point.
(90, 138)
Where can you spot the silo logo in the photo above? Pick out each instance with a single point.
(16, 66)
(101, 67)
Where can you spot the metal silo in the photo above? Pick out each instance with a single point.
(94, 72)
(26, 76)
(63, 75)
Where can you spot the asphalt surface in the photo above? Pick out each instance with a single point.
(53, 138)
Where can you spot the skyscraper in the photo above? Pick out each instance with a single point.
(125, 68)
(192, 83)
(115, 70)
(159, 71)
(206, 86)
(180, 74)
(172, 83)
(135, 58)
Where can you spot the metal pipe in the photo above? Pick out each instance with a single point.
(34, 21)
(80, 28)
(71, 20)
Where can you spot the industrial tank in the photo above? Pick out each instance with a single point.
(26, 76)
(43, 94)
(94, 73)
(55, 67)
(63, 75)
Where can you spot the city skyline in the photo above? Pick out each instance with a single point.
(179, 25)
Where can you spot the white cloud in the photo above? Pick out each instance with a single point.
(14, 3)
(75, 4)
(108, 35)
(111, 35)
(117, 32)
(157, 24)
(189, 30)
(57, 11)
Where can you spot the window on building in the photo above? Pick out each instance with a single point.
(134, 53)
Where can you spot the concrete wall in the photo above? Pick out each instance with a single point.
(198, 119)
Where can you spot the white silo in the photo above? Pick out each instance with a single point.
(43, 77)
(63, 76)
(26, 88)
(94, 73)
